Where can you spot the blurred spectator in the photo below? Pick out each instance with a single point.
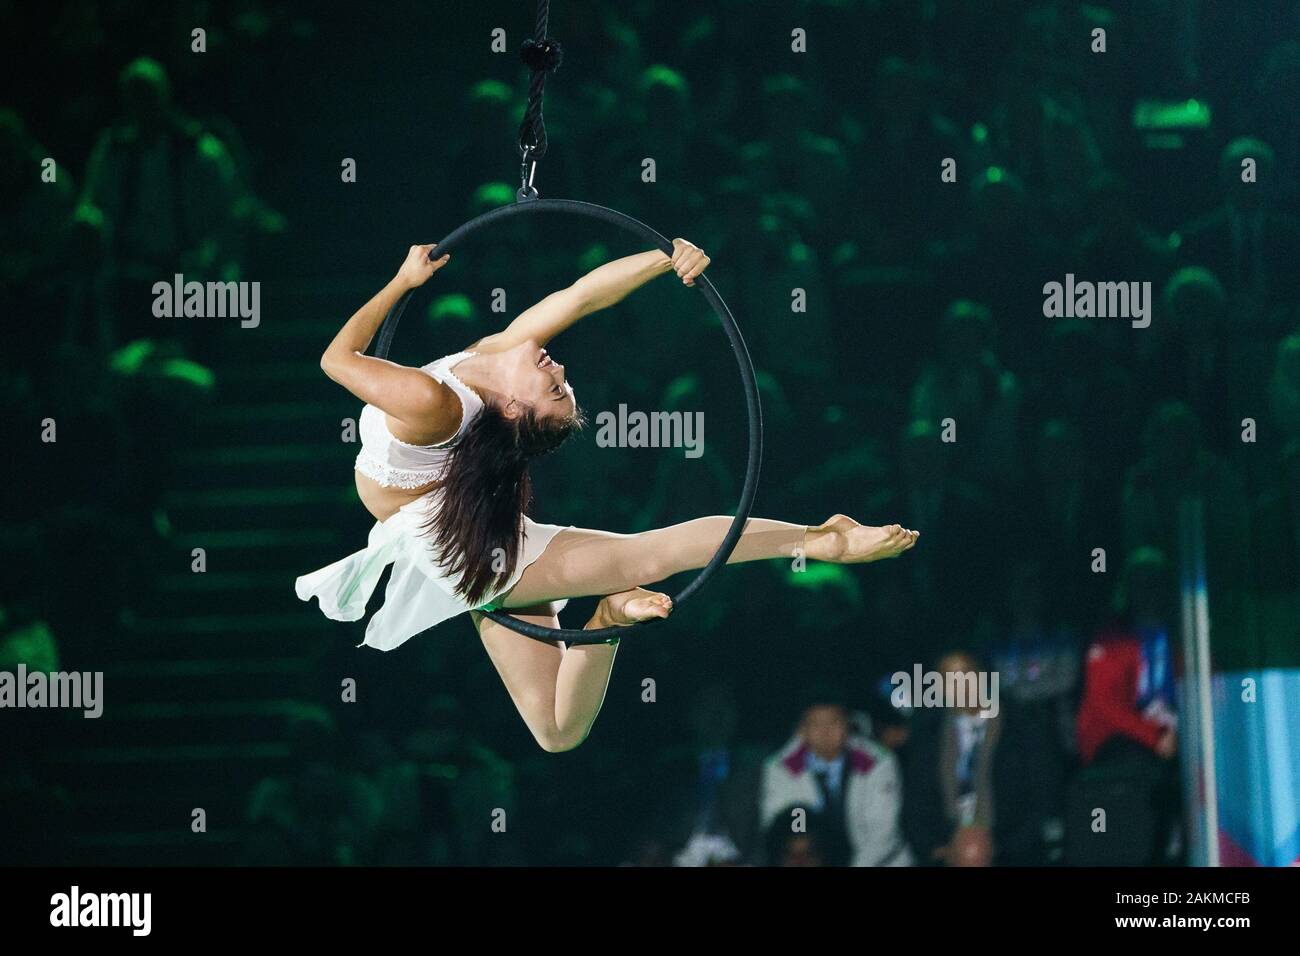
(1082, 376)
(890, 725)
(1188, 356)
(852, 781)
(713, 788)
(706, 849)
(318, 813)
(980, 790)
(970, 385)
(1069, 512)
(1040, 120)
(1284, 387)
(1247, 240)
(1119, 245)
(1127, 719)
(1277, 86)
(908, 129)
(649, 850)
(38, 807)
(36, 230)
(1129, 683)
(953, 512)
(812, 843)
(971, 845)
(779, 260)
(1176, 466)
(459, 782)
(1276, 523)
(1007, 238)
(1038, 657)
(662, 104)
(162, 192)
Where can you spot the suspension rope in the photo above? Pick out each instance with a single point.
(542, 55)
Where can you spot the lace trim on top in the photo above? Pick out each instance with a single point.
(391, 477)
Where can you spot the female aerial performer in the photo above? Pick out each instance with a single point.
(443, 468)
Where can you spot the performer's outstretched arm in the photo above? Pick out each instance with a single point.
(406, 394)
(600, 288)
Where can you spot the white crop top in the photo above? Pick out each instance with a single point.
(396, 464)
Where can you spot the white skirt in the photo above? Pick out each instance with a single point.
(420, 592)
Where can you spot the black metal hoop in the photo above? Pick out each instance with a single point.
(645, 233)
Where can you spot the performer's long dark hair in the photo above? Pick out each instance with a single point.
(486, 492)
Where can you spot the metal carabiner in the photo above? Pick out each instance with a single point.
(527, 170)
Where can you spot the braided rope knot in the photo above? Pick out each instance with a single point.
(543, 56)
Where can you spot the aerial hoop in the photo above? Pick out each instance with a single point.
(525, 206)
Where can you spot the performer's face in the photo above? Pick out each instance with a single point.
(536, 380)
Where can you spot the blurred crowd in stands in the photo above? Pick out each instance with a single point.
(1046, 461)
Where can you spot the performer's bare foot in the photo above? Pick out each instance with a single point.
(636, 604)
(841, 540)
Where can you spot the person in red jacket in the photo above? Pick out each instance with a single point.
(1112, 702)
(1129, 678)
(1127, 716)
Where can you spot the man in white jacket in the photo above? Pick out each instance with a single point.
(851, 782)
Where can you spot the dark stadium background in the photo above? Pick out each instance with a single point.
(815, 171)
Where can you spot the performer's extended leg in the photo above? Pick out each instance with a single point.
(580, 562)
